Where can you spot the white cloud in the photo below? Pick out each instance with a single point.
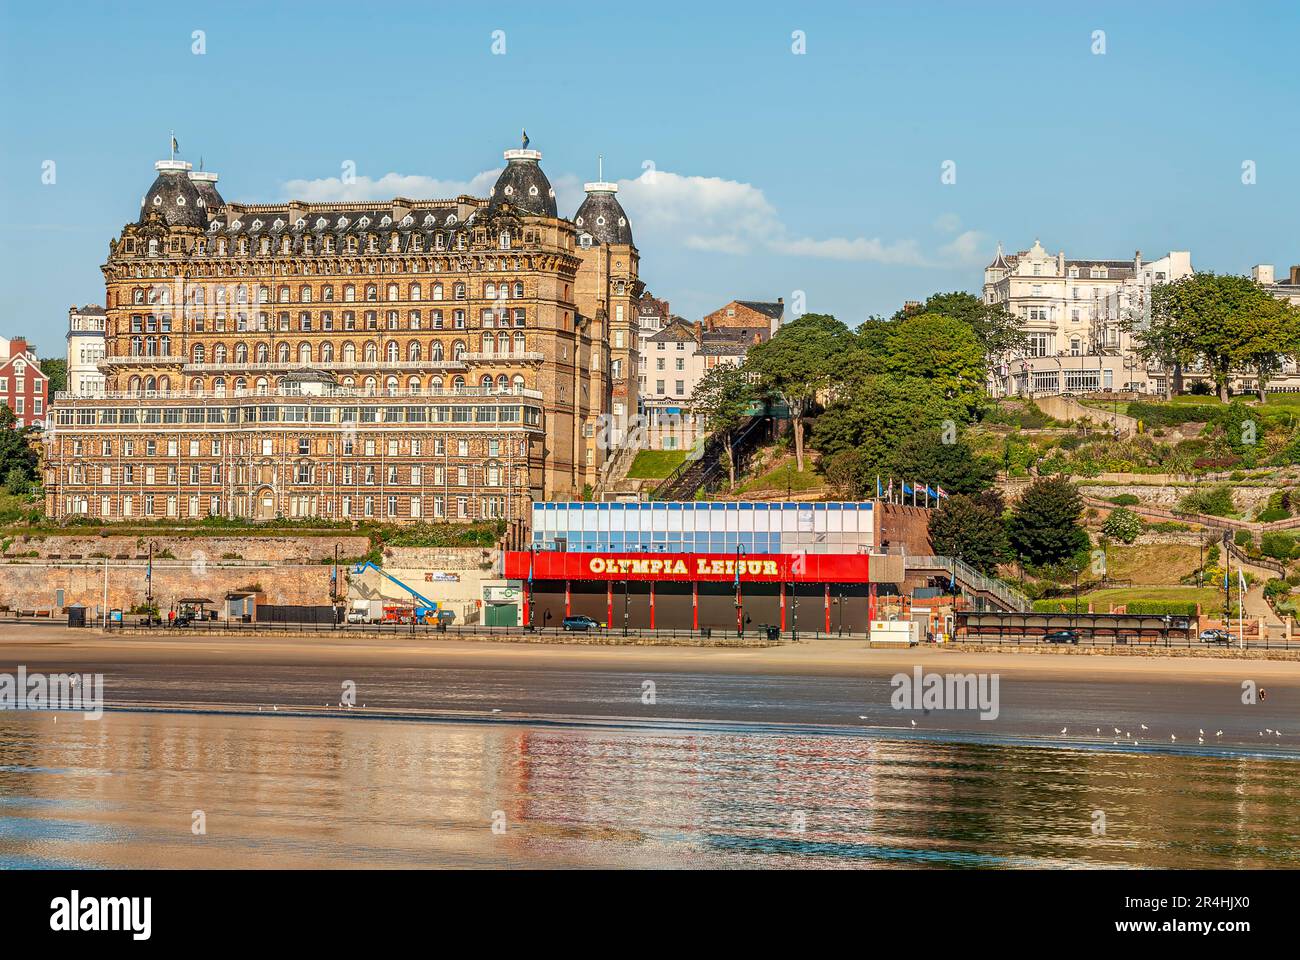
(969, 247)
(708, 214)
(412, 186)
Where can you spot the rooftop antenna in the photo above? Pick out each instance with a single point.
(174, 145)
(600, 167)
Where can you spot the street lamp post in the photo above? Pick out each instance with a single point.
(740, 626)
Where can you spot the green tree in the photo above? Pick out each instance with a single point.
(56, 369)
(1227, 322)
(943, 351)
(17, 455)
(798, 364)
(877, 414)
(722, 399)
(997, 330)
(1044, 525)
(972, 529)
(938, 457)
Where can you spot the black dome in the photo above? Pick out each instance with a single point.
(523, 185)
(206, 184)
(602, 216)
(174, 196)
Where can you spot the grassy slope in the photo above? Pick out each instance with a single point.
(655, 464)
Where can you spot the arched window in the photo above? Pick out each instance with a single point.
(241, 385)
(263, 294)
(503, 383)
(435, 350)
(458, 350)
(164, 385)
(392, 292)
(518, 382)
(327, 293)
(372, 352)
(435, 384)
(349, 293)
(370, 386)
(486, 383)
(391, 352)
(261, 353)
(458, 384)
(304, 353)
(304, 294)
(284, 295)
(263, 388)
(150, 385)
(489, 343)
(219, 386)
(413, 350)
(503, 342)
(219, 353)
(133, 385)
(458, 291)
(327, 352)
(490, 290)
(198, 353)
(519, 343)
(391, 385)
(282, 353)
(437, 292)
(413, 384)
(241, 352)
(519, 289)
(349, 352)
(415, 291)
(371, 292)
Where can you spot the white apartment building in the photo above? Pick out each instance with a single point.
(1080, 317)
(86, 349)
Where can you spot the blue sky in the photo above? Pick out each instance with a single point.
(772, 172)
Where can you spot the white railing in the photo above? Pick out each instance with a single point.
(337, 393)
(231, 366)
(504, 357)
(976, 580)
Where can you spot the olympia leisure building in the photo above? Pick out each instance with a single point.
(700, 565)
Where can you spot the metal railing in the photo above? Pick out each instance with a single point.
(972, 579)
(66, 396)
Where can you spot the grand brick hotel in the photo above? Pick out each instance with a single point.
(402, 360)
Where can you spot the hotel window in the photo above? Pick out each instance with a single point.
(462, 448)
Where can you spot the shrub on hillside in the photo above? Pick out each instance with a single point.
(1122, 524)
(1279, 546)
(1212, 501)
(1125, 500)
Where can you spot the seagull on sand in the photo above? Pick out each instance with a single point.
(1144, 726)
(1172, 737)
(1063, 729)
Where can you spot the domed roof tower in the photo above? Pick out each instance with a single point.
(206, 183)
(602, 216)
(523, 185)
(174, 196)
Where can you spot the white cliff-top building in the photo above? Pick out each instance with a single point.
(1080, 317)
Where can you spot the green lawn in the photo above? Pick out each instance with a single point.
(1210, 598)
(784, 477)
(655, 464)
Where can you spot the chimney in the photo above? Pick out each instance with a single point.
(1262, 274)
(17, 346)
(1137, 261)
(1295, 274)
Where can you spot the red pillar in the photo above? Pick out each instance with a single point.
(871, 604)
(828, 608)
(695, 604)
(527, 603)
(609, 604)
(568, 598)
(782, 604)
(740, 610)
(652, 604)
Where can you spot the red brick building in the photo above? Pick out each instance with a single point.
(23, 388)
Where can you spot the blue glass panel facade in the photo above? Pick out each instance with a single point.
(704, 527)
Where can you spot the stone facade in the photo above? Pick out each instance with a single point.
(402, 360)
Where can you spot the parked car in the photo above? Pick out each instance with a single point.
(580, 623)
(1215, 636)
(1062, 636)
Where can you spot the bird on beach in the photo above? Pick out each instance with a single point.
(1063, 729)
(496, 709)
(1117, 730)
(1144, 726)
(913, 723)
(1201, 732)
(1099, 729)
(1172, 737)
(1219, 734)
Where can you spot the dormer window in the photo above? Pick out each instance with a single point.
(533, 191)
(385, 221)
(257, 224)
(428, 219)
(509, 190)
(320, 223)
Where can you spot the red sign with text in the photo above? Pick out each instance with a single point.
(716, 567)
